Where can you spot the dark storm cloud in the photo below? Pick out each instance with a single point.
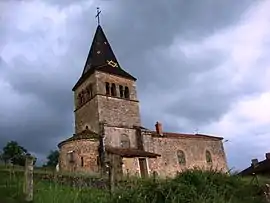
(140, 35)
(155, 26)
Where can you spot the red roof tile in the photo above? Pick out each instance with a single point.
(183, 135)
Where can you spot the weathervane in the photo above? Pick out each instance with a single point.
(97, 16)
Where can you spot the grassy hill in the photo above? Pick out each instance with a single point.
(189, 187)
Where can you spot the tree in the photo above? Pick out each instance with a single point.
(52, 158)
(14, 153)
(1, 157)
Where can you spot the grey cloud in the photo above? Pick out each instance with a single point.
(240, 157)
(137, 33)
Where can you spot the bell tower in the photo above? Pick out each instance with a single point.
(104, 92)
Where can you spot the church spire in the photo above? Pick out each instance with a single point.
(100, 54)
(101, 58)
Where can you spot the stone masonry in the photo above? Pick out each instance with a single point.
(194, 148)
(105, 95)
(85, 156)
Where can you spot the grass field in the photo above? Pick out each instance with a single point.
(189, 187)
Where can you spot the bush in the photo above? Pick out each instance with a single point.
(193, 186)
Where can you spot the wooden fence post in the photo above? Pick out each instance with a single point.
(128, 175)
(28, 178)
(155, 176)
(111, 174)
(267, 193)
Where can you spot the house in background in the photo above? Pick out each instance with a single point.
(258, 168)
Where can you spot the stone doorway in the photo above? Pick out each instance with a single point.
(130, 153)
(143, 167)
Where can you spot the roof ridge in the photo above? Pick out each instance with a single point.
(175, 134)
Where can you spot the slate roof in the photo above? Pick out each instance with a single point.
(130, 152)
(99, 56)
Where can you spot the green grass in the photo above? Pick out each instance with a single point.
(11, 190)
(189, 187)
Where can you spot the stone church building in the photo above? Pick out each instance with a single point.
(108, 127)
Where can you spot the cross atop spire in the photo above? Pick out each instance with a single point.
(101, 58)
(97, 16)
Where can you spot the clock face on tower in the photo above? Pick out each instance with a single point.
(112, 63)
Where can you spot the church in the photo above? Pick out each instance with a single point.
(108, 127)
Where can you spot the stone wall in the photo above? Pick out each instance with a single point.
(90, 80)
(87, 149)
(120, 115)
(131, 166)
(195, 154)
(101, 107)
(87, 114)
(117, 111)
(102, 78)
(113, 137)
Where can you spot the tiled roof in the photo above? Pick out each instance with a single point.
(183, 135)
(85, 134)
(130, 152)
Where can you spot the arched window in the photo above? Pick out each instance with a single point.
(126, 93)
(113, 90)
(181, 157)
(121, 90)
(83, 96)
(71, 157)
(208, 157)
(80, 99)
(125, 142)
(89, 90)
(107, 88)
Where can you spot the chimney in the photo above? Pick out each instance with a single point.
(159, 128)
(267, 156)
(254, 162)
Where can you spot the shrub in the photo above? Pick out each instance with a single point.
(191, 187)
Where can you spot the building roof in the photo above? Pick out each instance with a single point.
(101, 58)
(84, 135)
(260, 168)
(130, 152)
(183, 135)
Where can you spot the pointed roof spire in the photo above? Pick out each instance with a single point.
(101, 58)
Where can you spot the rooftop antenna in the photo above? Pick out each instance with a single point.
(98, 14)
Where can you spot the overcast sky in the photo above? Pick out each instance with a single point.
(200, 65)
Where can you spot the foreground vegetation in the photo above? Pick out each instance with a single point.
(189, 187)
